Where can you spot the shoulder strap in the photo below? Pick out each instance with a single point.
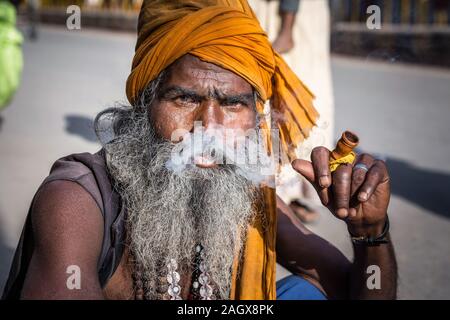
(89, 171)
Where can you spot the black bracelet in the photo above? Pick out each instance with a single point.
(373, 241)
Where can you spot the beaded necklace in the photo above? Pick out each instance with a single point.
(170, 288)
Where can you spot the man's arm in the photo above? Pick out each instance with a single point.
(305, 254)
(382, 257)
(68, 231)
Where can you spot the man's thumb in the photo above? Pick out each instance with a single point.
(305, 168)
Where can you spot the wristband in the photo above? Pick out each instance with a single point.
(373, 241)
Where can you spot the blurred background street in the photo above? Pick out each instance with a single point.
(400, 111)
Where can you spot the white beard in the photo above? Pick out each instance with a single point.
(169, 213)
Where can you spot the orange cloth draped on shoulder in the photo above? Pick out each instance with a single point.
(227, 33)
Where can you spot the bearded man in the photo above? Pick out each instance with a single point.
(133, 223)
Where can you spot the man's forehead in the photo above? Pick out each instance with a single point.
(192, 73)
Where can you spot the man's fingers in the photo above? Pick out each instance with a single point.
(360, 169)
(342, 179)
(325, 196)
(305, 168)
(376, 175)
(320, 158)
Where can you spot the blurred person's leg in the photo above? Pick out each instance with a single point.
(33, 17)
(310, 60)
(284, 41)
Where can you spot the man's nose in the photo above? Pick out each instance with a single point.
(210, 114)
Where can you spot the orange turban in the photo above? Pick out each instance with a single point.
(227, 33)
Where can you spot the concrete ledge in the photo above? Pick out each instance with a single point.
(114, 20)
(403, 43)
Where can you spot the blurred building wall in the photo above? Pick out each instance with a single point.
(412, 31)
(436, 12)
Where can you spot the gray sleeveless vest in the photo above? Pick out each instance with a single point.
(90, 172)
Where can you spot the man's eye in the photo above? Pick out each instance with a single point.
(235, 105)
(185, 100)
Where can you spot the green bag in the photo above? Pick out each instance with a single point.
(11, 59)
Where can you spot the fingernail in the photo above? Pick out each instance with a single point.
(352, 213)
(363, 196)
(342, 213)
(323, 181)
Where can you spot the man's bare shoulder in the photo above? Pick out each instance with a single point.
(66, 206)
(67, 230)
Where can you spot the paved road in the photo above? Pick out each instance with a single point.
(400, 112)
